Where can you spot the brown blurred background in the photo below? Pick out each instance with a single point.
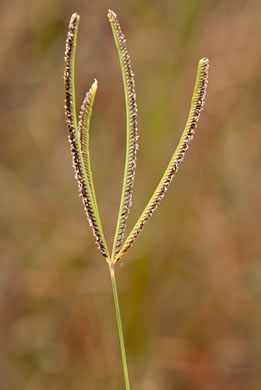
(190, 288)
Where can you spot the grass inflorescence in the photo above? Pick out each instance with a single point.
(79, 141)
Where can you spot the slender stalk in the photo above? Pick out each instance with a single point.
(118, 317)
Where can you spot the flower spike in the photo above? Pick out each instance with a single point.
(131, 128)
(74, 139)
(197, 103)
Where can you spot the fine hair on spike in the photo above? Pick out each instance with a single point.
(74, 140)
(132, 131)
(197, 103)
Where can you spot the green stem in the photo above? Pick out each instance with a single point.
(118, 316)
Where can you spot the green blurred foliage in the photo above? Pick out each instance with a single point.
(190, 287)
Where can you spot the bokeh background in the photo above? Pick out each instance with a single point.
(190, 288)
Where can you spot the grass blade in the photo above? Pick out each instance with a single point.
(197, 103)
(131, 129)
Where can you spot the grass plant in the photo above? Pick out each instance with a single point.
(79, 141)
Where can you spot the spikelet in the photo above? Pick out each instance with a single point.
(73, 137)
(197, 103)
(132, 136)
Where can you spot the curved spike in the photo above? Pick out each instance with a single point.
(197, 103)
(84, 128)
(74, 139)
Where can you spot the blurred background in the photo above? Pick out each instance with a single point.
(190, 288)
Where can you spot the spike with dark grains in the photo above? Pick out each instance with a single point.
(73, 137)
(198, 100)
(132, 136)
